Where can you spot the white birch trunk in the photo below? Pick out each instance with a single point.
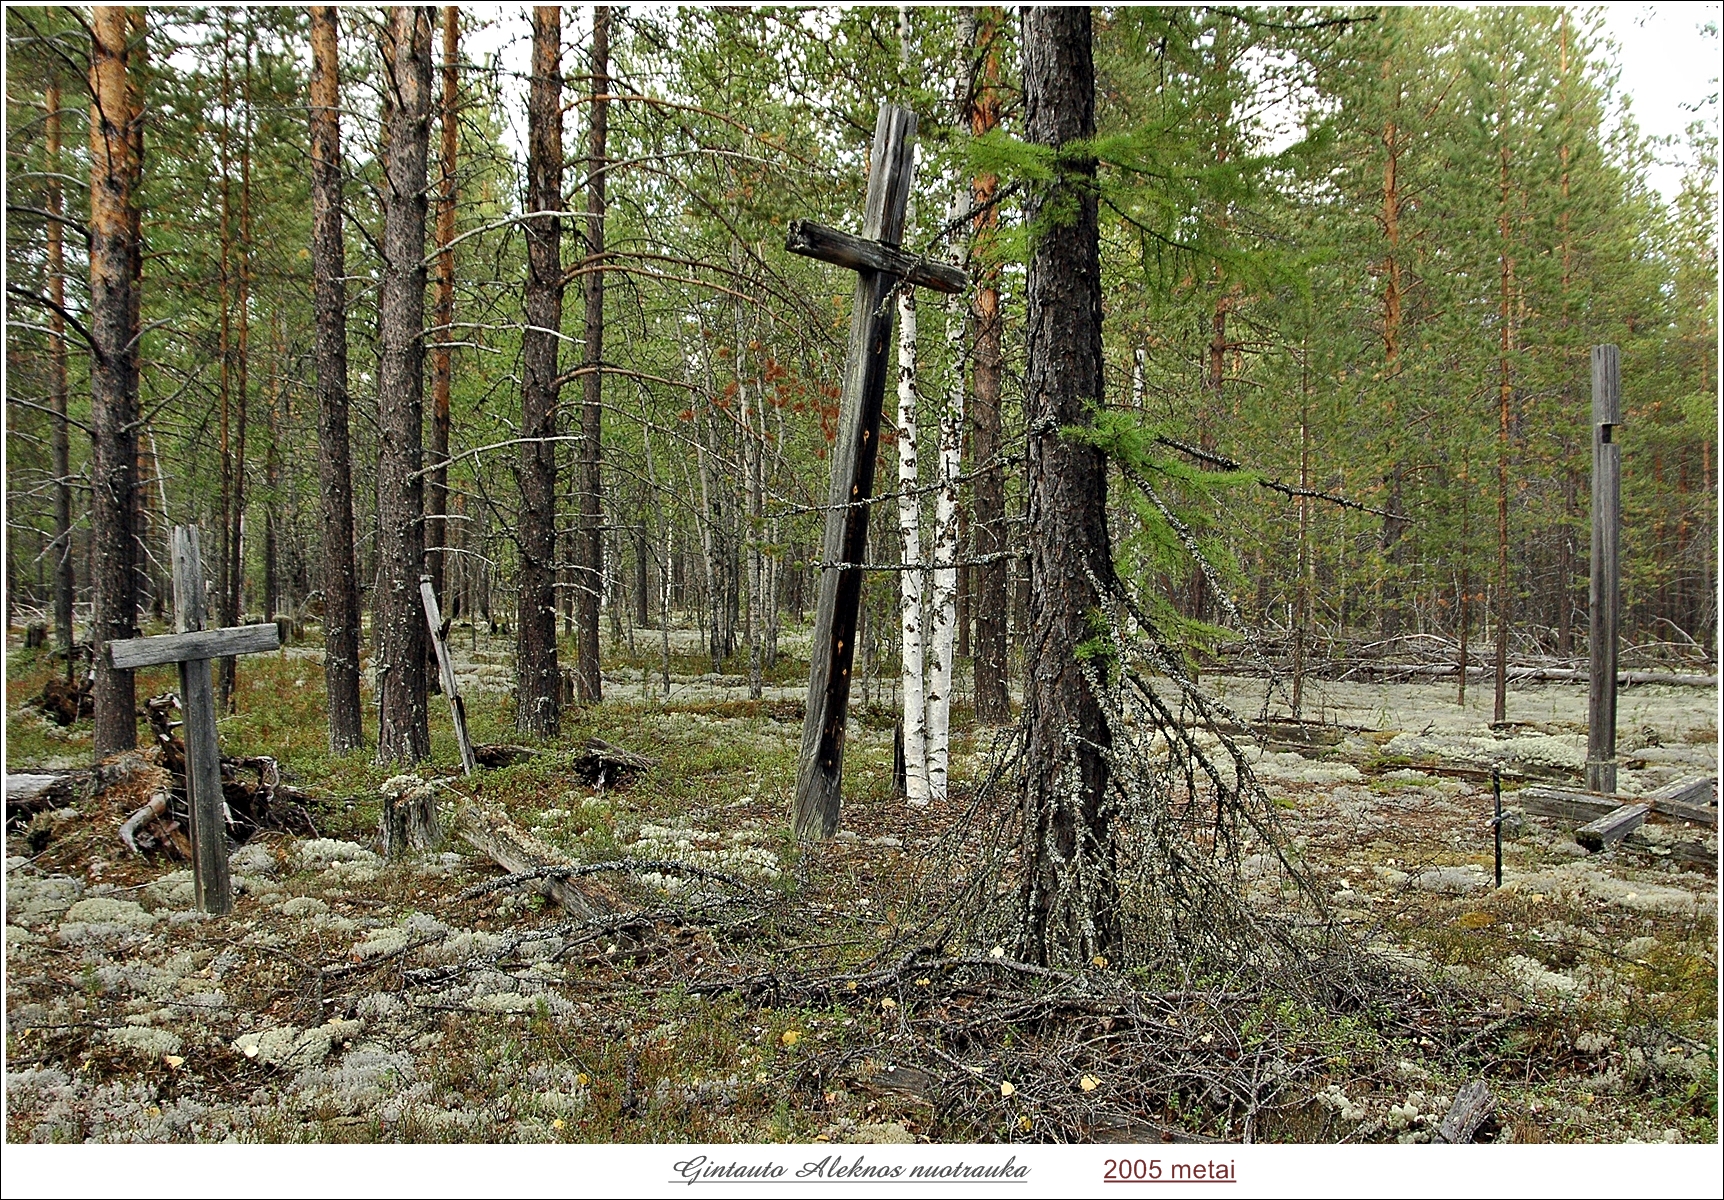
(914, 690)
(943, 604)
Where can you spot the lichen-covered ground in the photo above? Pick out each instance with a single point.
(346, 999)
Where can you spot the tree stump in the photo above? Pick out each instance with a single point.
(409, 821)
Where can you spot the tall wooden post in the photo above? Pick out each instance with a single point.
(1604, 595)
(210, 882)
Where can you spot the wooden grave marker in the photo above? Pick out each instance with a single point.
(1604, 596)
(881, 267)
(446, 672)
(192, 647)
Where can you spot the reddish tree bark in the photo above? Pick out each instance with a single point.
(114, 167)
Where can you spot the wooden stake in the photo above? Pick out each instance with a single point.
(439, 639)
(210, 881)
(1604, 594)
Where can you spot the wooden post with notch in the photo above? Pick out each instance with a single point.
(880, 267)
(446, 670)
(1604, 594)
(192, 647)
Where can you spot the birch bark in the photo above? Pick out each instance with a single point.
(914, 688)
(943, 604)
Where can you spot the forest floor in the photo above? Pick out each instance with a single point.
(347, 999)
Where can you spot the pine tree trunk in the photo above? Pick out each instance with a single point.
(588, 683)
(538, 680)
(1070, 900)
(1394, 520)
(65, 576)
(334, 463)
(1504, 391)
(403, 733)
(989, 592)
(272, 485)
(113, 381)
(232, 601)
(437, 494)
(224, 427)
(136, 66)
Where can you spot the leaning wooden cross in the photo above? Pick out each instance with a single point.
(192, 647)
(881, 267)
(446, 672)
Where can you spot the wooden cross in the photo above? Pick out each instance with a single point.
(1605, 596)
(192, 647)
(880, 266)
(446, 671)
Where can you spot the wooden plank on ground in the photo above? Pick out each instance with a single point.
(1561, 804)
(1612, 827)
(1690, 799)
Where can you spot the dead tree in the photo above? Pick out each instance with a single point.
(538, 683)
(114, 168)
(403, 732)
(1070, 897)
(334, 465)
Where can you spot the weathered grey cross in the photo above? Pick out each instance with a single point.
(880, 266)
(192, 647)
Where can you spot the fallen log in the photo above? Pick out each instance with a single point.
(1391, 671)
(29, 794)
(517, 851)
(1612, 827)
(1583, 807)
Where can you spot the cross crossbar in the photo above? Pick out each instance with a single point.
(190, 647)
(860, 254)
